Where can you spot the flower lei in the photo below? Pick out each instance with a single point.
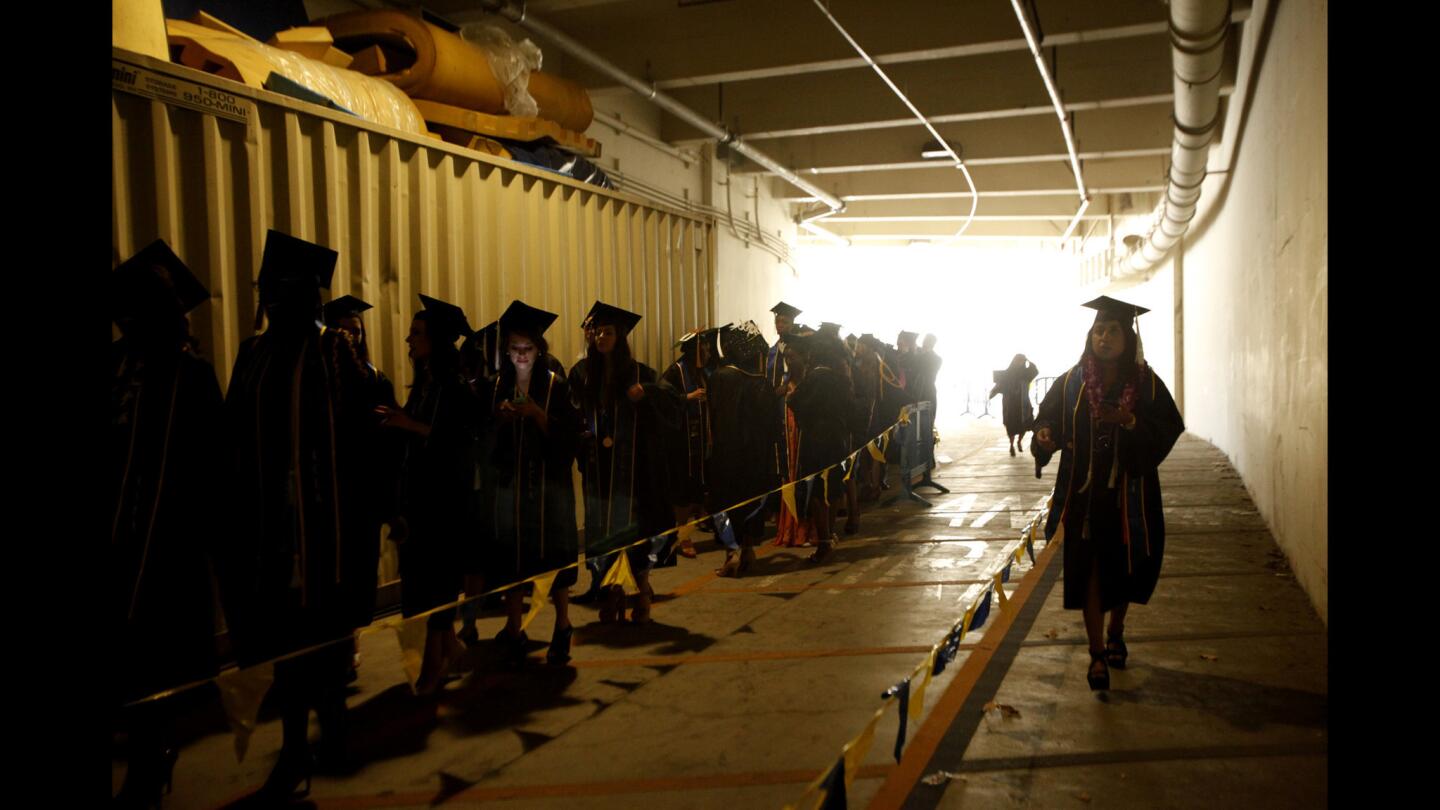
(1094, 388)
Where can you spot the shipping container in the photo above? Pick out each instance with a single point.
(211, 164)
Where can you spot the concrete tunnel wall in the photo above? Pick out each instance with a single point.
(1254, 296)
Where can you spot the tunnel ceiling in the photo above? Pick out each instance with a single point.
(779, 75)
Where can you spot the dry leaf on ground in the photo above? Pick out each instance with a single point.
(1084, 797)
(1005, 710)
(1208, 657)
(1052, 633)
(941, 777)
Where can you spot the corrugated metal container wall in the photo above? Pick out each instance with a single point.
(406, 215)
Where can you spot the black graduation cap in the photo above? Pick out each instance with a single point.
(446, 318)
(346, 306)
(911, 335)
(1107, 308)
(520, 315)
(1111, 309)
(785, 309)
(828, 328)
(155, 270)
(688, 338)
(291, 263)
(603, 314)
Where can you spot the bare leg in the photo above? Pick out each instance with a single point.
(683, 515)
(641, 613)
(852, 506)
(514, 611)
(561, 599)
(1021, 440)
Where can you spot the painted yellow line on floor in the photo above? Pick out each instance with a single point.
(901, 780)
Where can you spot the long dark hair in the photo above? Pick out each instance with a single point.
(444, 360)
(622, 365)
(507, 368)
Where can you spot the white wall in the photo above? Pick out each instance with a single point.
(749, 279)
(1256, 298)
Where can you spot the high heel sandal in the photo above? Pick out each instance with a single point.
(146, 782)
(513, 646)
(641, 612)
(747, 559)
(1116, 652)
(1101, 681)
(559, 652)
(822, 551)
(731, 567)
(614, 608)
(284, 782)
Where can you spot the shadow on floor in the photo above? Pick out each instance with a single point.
(1243, 704)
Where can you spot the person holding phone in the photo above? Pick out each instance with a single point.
(533, 504)
(1113, 421)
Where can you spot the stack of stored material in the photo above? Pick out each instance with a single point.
(212, 46)
(464, 90)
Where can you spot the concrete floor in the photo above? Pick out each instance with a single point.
(744, 690)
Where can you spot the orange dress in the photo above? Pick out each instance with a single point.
(792, 531)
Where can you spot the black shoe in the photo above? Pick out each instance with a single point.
(559, 652)
(1101, 681)
(1116, 652)
(469, 635)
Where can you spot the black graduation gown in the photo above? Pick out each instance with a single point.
(300, 530)
(165, 488)
(532, 502)
(777, 373)
(893, 397)
(926, 367)
(1014, 391)
(437, 491)
(377, 454)
(822, 406)
(627, 483)
(742, 455)
(690, 443)
(1126, 533)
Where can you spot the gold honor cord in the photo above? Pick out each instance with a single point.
(853, 752)
(548, 576)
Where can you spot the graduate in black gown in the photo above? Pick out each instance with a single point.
(741, 467)
(533, 505)
(165, 423)
(1013, 387)
(819, 395)
(299, 530)
(857, 419)
(479, 365)
(440, 422)
(377, 454)
(627, 412)
(576, 380)
(1114, 422)
(690, 446)
(778, 375)
(927, 369)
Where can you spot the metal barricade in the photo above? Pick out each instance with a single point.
(915, 442)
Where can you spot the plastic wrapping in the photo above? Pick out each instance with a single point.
(511, 62)
(250, 61)
(431, 63)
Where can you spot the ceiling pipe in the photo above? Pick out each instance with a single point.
(1197, 37)
(507, 9)
(1054, 100)
(949, 150)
